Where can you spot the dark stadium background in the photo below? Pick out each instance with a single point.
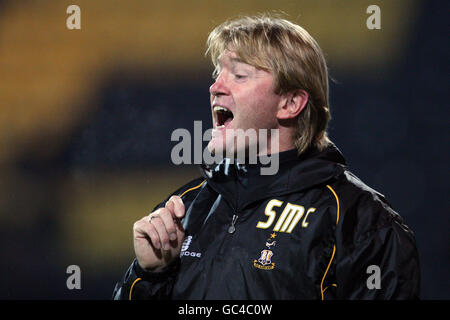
(86, 117)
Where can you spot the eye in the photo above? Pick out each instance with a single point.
(240, 76)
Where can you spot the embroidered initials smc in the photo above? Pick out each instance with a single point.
(288, 219)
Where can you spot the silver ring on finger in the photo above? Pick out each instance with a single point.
(152, 216)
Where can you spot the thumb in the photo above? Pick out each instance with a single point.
(176, 206)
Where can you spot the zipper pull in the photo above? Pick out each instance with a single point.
(231, 229)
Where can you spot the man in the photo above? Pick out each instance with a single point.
(311, 231)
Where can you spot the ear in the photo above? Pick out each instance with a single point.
(292, 104)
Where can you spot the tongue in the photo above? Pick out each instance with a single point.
(227, 121)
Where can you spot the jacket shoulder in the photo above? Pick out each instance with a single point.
(362, 209)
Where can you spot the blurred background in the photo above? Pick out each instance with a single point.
(86, 118)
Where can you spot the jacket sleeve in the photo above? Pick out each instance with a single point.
(376, 253)
(138, 284)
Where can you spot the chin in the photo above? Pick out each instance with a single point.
(212, 147)
(229, 149)
(217, 146)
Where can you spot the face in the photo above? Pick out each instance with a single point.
(242, 97)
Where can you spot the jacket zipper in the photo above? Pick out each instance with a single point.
(232, 228)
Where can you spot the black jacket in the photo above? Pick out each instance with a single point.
(312, 231)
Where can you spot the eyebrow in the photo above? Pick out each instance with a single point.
(232, 60)
(237, 60)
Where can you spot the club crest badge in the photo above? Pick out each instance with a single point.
(264, 261)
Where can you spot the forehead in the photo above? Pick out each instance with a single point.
(229, 58)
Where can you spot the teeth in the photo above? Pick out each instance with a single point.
(220, 127)
(220, 108)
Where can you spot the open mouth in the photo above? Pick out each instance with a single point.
(223, 116)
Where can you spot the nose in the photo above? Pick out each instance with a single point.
(219, 87)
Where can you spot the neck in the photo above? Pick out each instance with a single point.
(279, 141)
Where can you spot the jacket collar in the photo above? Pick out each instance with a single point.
(242, 185)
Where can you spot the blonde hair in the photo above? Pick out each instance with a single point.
(295, 59)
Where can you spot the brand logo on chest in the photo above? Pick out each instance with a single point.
(184, 249)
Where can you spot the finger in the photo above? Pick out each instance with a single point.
(158, 223)
(144, 229)
(169, 224)
(176, 205)
(180, 228)
(154, 237)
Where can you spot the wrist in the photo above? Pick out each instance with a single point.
(157, 273)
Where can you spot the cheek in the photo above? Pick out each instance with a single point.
(258, 116)
(258, 105)
(266, 105)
